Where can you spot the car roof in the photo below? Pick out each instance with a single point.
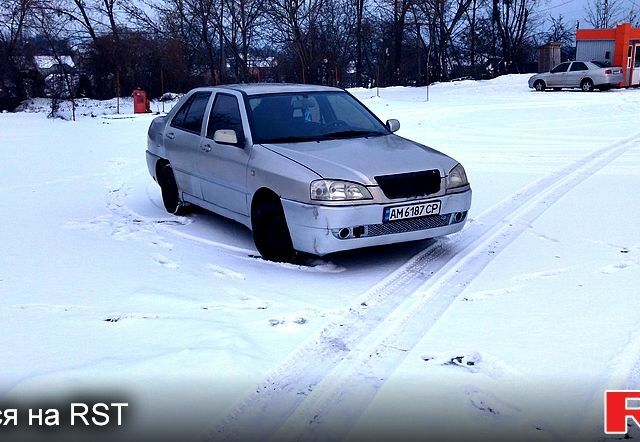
(272, 88)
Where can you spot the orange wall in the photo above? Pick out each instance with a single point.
(623, 34)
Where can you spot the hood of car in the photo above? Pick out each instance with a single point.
(362, 159)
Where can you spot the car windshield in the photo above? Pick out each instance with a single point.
(310, 116)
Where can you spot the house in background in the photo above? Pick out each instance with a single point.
(549, 56)
(619, 46)
(53, 71)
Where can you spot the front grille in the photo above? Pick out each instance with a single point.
(408, 185)
(408, 225)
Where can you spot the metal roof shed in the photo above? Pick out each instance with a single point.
(619, 46)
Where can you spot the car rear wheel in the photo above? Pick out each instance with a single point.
(586, 85)
(539, 86)
(270, 231)
(170, 194)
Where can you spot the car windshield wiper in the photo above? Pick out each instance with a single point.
(351, 134)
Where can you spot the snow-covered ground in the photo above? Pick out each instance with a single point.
(516, 325)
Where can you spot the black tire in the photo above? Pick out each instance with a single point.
(587, 85)
(170, 194)
(539, 86)
(270, 231)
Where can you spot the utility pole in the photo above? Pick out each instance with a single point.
(605, 18)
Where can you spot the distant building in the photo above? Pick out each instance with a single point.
(619, 47)
(48, 64)
(549, 56)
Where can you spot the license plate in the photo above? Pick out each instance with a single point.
(411, 211)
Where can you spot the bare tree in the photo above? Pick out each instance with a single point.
(513, 21)
(602, 14)
(359, 10)
(444, 17)
(14, 18)
(52, 28)
(294, 23)
(246, 17)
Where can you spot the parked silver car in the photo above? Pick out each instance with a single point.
(306, 168)
(585, 75)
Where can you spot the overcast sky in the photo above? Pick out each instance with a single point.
(574, 10)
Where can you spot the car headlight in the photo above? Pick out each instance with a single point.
(457, 177)
(331, 190)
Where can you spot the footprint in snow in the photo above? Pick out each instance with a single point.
(223, 272)
(118, 318)
(472, 362)
(487, 294)
(541, 275)
(613, 268)
(287, 323)
(164, 261)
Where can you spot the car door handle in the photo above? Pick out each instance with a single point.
(206, 147)
(171, 135)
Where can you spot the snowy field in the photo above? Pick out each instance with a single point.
(516, 325)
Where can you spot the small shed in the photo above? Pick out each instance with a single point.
(619, 47)
(549, 56)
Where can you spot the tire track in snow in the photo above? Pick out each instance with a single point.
(333, 376)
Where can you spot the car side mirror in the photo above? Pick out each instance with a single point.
(393, 125)
(225, 136)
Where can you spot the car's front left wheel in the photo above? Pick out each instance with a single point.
(539, 86)
(270, 231)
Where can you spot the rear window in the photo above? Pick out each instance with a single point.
(602, 64)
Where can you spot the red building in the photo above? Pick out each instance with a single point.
(619, 47)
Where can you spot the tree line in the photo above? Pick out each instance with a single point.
(174, 45)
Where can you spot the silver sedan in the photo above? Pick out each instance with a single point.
(578, 74)
(306, 168)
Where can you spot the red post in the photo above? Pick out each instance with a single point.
(162, 88)
(304, 81)
(117, 91)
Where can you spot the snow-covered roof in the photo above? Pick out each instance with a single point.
(266, 62)
(48, 61)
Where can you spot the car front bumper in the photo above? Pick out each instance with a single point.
(319, 229)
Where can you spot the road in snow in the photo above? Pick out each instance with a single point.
(100, 288)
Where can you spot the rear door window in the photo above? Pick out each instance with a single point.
(562, 67)
(225, 114)
(579, 66)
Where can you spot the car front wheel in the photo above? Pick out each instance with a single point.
(539, 86)
(270, 231)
